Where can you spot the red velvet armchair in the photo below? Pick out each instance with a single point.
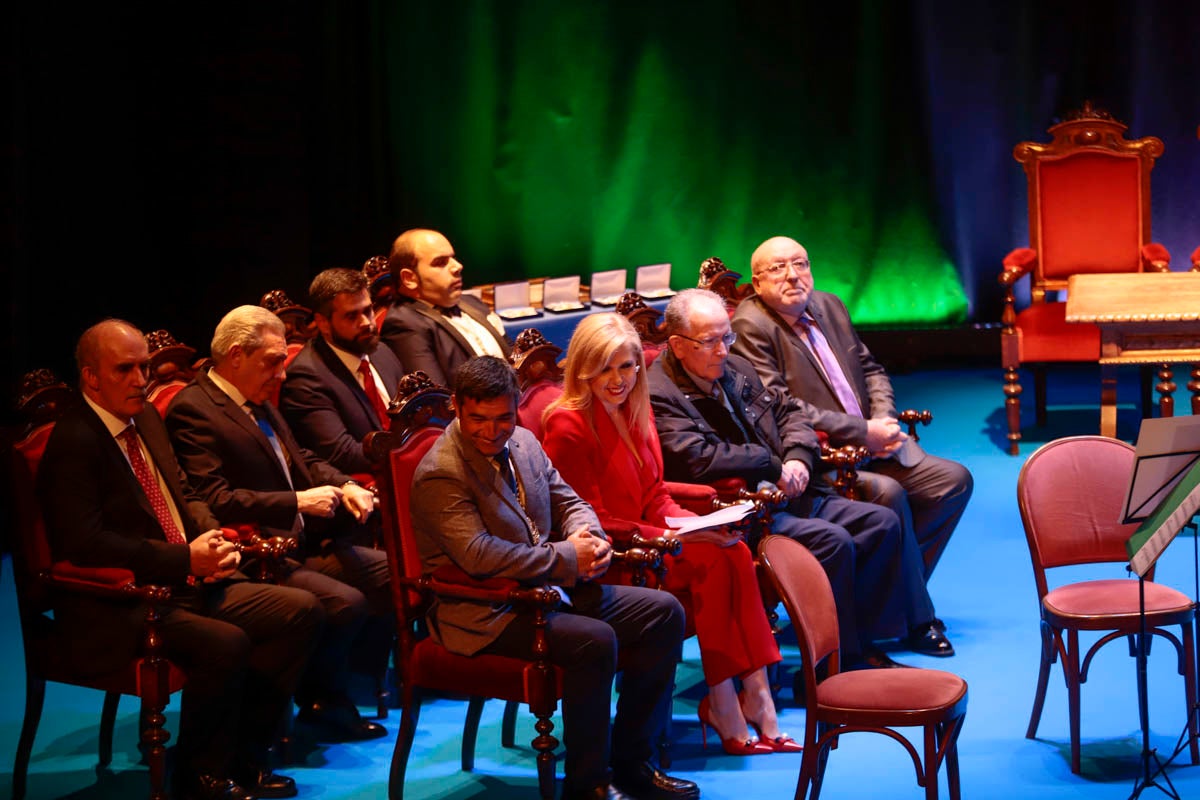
(40, 580)
(1089, 212)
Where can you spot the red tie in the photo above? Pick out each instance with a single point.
(364, 370)
(150, 486)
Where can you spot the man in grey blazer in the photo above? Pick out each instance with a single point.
(487, 499)
(433, 327)
(802, 341)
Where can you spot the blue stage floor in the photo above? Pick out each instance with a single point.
(983, 589)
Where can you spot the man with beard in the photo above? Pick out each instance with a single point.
(434, 327)
(242, 459)
(338, 387)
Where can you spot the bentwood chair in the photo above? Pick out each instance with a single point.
(1089, 212)
(1070, 494)
(875, 701)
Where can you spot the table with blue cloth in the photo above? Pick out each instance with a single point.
(558, 327)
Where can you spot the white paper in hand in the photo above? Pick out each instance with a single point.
(724, 516)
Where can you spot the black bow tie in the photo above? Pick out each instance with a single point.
(450, 311)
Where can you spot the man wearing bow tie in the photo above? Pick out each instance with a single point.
(243, 460)
(434, 327)
(338, 387)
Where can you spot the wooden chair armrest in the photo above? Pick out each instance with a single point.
(911, 417)
(269, 553)
(1017, 264)
(103, 582)
(1155, 258)
(451, 581)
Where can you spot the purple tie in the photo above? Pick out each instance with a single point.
(829, 365)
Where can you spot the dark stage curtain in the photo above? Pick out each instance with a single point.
(166, 163)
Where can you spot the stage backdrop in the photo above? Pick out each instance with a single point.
(165, 167)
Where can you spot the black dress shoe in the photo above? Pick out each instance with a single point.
(644, 781)
(874, 658)
(608, 792)
(208, 787)
(262, 782)
(930, 640)
(340, 722)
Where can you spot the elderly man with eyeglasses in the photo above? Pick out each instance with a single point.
(801, 342)
(716, 420)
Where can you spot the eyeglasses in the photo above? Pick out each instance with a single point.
(711, 343)
(781, 269)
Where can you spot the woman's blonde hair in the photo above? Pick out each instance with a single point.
(596, 339)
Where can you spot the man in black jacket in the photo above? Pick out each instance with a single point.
(338, 387)
(716, 420)
(434, 327)
(242, 459)
(113, 496)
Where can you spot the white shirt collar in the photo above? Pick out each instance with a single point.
(228, 388)
(112, 422)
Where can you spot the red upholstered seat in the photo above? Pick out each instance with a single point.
(1043, 334)
(1089, 212)
(38, 579)
(1070, 494)
(868, 701)
(1111, 599)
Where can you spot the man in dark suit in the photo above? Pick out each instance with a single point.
(113, 496)
(434, 327)
(487, 499)
(244, 462)
(716, 420)
(801, 341)
(338, 387)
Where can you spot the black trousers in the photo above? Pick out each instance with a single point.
(639, 629)
(243, 647)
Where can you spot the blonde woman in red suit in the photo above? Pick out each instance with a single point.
(600, 435)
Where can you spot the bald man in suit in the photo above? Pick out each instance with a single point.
(113, 495)
(434, 327)
(801, 341)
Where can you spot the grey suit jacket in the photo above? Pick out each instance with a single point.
(423, 339)
(784, 362)
(464, 513)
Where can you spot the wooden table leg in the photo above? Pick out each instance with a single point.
(1108, 400)
(1166, 390)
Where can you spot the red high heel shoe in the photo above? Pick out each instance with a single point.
(780, 744)
(750, 747)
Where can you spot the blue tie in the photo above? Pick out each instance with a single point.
(506, 470)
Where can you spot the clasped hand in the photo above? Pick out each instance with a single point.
(213, 557)
(593, 553)
(323, 501)
(884, 436)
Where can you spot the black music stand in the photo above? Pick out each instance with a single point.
(1164, 495)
